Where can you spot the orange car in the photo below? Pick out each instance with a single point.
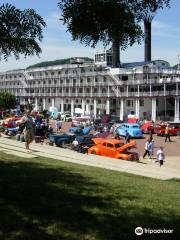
(113, 148)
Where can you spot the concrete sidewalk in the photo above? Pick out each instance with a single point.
(171, 168)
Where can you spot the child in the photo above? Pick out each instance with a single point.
(160, 156)
(58, 126)
(151, 148)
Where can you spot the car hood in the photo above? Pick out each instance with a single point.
(127, 146)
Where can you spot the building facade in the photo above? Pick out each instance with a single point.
(150, 90)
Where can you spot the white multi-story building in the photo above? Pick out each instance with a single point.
(149, 90)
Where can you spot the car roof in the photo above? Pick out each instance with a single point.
(131, 124)
(107, 140)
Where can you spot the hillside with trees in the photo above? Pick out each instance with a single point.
(60, 62)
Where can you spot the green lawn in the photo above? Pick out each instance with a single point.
(43, 199)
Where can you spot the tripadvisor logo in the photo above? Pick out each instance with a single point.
(140, 231)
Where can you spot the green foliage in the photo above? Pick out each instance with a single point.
(7, 100)
(117, 21)
(20, 31)
(58, 62)
(98, 20)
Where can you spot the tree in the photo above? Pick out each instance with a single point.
(20, 31)
(7, 100)
(92, 21)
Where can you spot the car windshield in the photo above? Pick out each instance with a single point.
(118, 145)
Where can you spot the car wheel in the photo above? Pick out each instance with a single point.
(63, 144)
(93, 152)
(178, 133)
(130, 158)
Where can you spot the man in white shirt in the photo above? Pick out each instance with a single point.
(147, 149)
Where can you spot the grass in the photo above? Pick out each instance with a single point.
(42, 199)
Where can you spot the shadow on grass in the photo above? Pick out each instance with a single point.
(44, 203)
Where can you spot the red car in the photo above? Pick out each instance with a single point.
(174, 130)
(147, 127)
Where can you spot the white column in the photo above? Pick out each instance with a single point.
(72, 107)
(153, 115)
(44, 103)
(36, 104)
(87, 109)
(83, 106)
(137, 108)
(122, 110)
(107, 106)
(176, 110)
(53, 102)
(29, 100)
(62, 105)
(95, 108)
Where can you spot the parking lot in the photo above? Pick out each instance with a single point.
(170, 148)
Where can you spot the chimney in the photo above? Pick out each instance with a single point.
(147, 46)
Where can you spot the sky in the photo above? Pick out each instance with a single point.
(57, 42)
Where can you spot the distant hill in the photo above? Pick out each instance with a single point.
(177, 67)
(60, 62)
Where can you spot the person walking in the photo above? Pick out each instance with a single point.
(146, 149)
(151, 148)
(58, 126)
(127, 137)
(167, 134)
(160, 156)
(29, 129)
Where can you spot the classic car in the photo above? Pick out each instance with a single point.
(174, 129)
(61, 139)
(84, 143)
(147, 127)
(114, 148)
(133, 129)
(80, 130)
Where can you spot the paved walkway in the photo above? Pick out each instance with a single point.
(171, 168)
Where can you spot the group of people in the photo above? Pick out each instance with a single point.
(32, 126)
(149, 150)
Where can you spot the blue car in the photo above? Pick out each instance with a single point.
(61, 140)
(80, 131)
(133, 129)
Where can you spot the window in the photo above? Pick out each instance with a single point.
(141, 103)
(135, 126)
(124, 77)
(104, 144)
(117, 145)
(109, 145)
(129, 103)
